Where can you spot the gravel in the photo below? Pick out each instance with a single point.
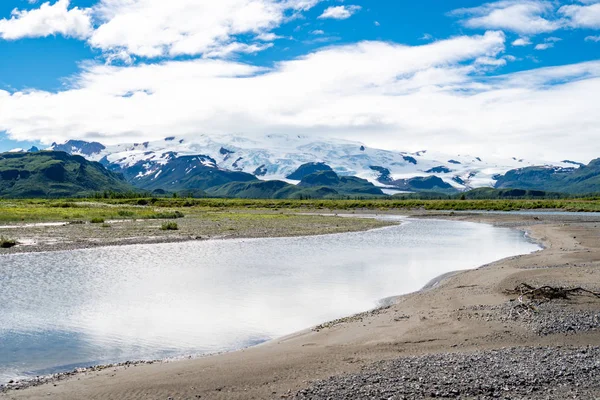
(509, 373)
(553, 318)
(545, 318)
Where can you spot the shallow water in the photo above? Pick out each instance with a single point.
(63, 310)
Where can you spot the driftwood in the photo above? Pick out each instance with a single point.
(548, 292)
(530, 297)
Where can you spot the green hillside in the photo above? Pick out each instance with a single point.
(189, 173)
(425, 184)
(55, 174)
(585, 179)
(345, 185)
(270, 190)
(307, 169)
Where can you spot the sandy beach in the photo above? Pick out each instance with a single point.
(465, 314)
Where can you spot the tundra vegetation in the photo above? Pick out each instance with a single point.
(72, 210)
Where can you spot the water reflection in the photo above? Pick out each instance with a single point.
(65, 309)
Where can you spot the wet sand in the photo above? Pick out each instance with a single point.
(464, 313)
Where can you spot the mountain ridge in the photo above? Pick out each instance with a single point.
(55, 174)
(280, 157)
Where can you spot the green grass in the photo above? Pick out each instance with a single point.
(97, 220)
(169, 226)
(592, 205)
(73, 210)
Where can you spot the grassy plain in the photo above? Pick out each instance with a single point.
(167, 208)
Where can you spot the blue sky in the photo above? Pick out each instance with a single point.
(92, 69)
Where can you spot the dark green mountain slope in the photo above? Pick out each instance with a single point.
(307, 169)
(190, 173)
(55, 174)
(320, 185)
(271, 190)
(585, 179)
(251, 190)
(345, 185)
(424, 184)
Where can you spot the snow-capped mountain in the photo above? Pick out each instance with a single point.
(278, 156)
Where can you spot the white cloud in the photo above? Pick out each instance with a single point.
(587, 16)
(522, 42)
(544, 46)
(329, 88)
(531, 17)
(490, 61)
(407, 97)
(592, 39)
(376, 23)
(394, 96)
(156, 28)
(548, 43)
(521, 16)
(237, 48)
(268, 37)
(340, 12)
(48, 19)
(318, 32)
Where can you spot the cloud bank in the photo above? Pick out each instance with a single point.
(158, 28)
(384, 94)
(444, 94)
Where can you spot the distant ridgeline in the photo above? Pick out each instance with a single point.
(60, 174)
(581, 180)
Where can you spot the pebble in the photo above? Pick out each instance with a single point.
(510, 373)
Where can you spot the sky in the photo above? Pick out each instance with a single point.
(510, 78)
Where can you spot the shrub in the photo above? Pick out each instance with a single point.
(6, 243)
(64, 204)
(125, 213)
(97, 220)
(169, 226)
(105, 225)
(167, 215)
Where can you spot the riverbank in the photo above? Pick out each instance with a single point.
(466, 314)
(191, 225)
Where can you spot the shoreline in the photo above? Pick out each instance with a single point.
(74, 243)
(383, 304)
(165, 238)
(372, 345)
